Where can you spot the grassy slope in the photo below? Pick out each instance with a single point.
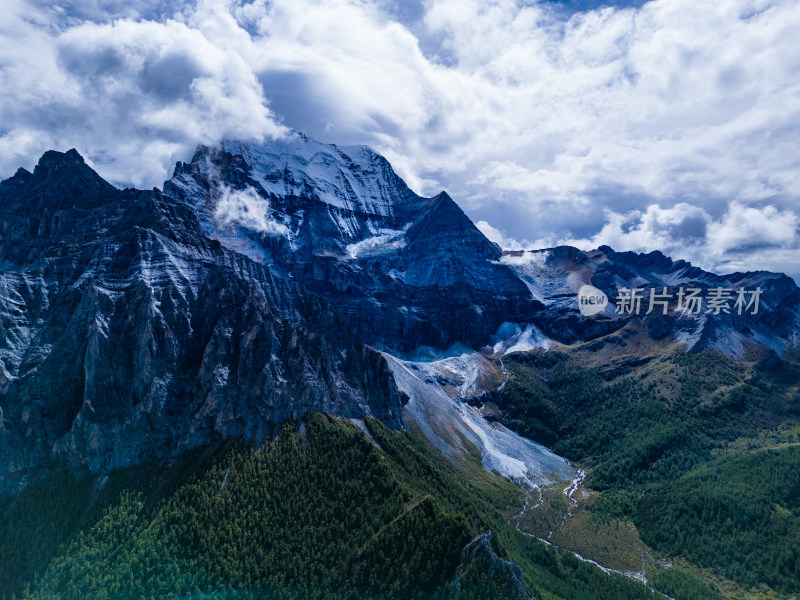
(319, 513)
(652, 422)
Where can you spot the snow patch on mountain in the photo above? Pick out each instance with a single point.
(545, 283)
(520, 340)
(386, 240)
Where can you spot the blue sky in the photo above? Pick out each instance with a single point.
(671, 124)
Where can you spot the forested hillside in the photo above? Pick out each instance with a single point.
(699, 450)
(320, 512)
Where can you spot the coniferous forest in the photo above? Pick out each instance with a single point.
(319, 512)
(699, 451)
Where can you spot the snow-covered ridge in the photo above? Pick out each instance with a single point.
(554, 276)
(544, 282)
(354, 178)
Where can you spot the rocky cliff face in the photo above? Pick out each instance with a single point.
(404, 271)
(555, 275)
(127, 334)
(480, 556)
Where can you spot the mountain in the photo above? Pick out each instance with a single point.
(554, 277)
(404, 271)
(165, 357)
(414, 276)
(229, 302)
(128, 335)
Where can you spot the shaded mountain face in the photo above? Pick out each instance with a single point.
(404, 271)
(126, 334)
(408, 272)
(555, 275)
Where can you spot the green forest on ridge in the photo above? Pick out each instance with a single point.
(320, 512)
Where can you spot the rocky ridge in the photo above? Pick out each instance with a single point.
(127, 334)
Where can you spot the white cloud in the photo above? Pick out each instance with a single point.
(744, 227)
(743, 238)
(501, 239)
(247, 208)
(134, 96)
(633, 125)
(653, 228)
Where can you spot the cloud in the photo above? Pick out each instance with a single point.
(241, 207)
(653, 228)
(134, 96)
(248, 209)
(743, 238)
(668, 118)
(501, 239)
(745, 227)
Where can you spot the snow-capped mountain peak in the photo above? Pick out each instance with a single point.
(354, 178)
(403, 269)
